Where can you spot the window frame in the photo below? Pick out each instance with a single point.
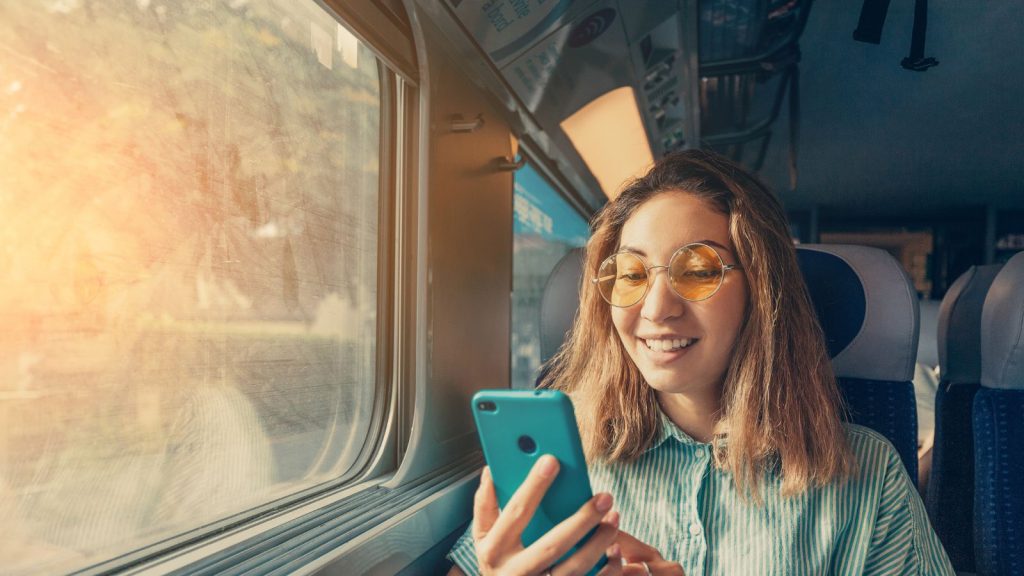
(232, 540)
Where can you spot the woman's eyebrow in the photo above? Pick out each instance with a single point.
(716, 245)
(709, 242)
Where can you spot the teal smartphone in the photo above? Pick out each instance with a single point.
(516, 428)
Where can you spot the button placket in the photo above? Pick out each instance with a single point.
(695, 527)
(689, 515)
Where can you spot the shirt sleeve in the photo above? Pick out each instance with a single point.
(903, 541)
(463, 554)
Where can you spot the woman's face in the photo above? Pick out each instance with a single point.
(655, 230)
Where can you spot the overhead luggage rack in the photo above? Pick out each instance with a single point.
(749, 57)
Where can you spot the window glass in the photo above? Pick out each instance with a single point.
(545, 228)
(188, 295)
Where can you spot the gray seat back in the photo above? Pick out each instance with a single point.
(950, 497)
(560, 302)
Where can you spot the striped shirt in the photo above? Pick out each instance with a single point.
(676, 500)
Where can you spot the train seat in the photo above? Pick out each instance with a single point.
(950, 496)
(868, 311)
(559, 303)
(999, 427)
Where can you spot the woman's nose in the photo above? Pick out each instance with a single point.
(661, 302)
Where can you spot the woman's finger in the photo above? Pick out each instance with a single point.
(654, 568)
(634, 550)
(590, 552)
(485, 506)
(614, 565)
(635, 554)
(553, 545)
(523, 503)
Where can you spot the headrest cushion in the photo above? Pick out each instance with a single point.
(959, 327)
(1002, 329)
(867, 308)
(838, 297)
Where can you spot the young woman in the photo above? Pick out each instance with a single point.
(707, 407)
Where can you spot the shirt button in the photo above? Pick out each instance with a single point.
(694, 529)
(700, 454)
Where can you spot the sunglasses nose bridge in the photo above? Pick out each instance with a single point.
(651, 271)
(660, 301)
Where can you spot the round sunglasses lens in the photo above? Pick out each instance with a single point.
(696, 272)
(622, 279)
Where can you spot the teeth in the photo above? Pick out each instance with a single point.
(669, 344)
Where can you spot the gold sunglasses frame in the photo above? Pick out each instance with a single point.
(649, 270)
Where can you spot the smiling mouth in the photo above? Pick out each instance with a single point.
(669, 344)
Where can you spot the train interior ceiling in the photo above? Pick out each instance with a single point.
(258, 254)
(859, 148)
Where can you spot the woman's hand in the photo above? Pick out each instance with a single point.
(498, 534)
(636, 555)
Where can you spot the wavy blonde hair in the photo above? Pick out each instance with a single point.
(780, 404)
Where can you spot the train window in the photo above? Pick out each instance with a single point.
(188, 268)
(545, 228)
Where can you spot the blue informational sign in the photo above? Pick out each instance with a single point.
(546, 228)
(539, 210)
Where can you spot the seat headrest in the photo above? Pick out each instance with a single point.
(867, 308)
(559, 302)
(959, 328)
(1002, 329)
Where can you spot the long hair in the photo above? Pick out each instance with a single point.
(781, 407)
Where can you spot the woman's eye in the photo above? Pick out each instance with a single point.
(635, 277)
(702, 274)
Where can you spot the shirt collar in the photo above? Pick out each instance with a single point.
(668, 429)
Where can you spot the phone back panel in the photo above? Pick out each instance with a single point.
(545, 416)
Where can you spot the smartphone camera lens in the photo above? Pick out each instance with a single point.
(486, 406)
(526, 444)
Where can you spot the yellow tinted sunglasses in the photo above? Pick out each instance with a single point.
(695, 272)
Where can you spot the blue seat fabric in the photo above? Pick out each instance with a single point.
(999, 478)
(888, 408)
(950, 498)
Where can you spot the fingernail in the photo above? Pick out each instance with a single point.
(613, 550)
(548, 465)
(613, 519)
(485, 476)
(603, 502)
